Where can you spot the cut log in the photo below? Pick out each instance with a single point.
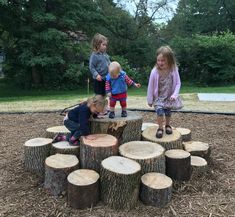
(65, 148)
(35, 153)
(197, 148)
(124, 129)
(156, 189)
(95, 148)
(185, 133)
(51, 132)
(120, 182)
(172, 141)
(149, 155)
(57, 168)
(83, 188)
(178, 164)
(198, 166)
(148, 124)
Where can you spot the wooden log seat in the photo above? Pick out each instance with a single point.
(198, 166)
(198, 148)
(51, 132)
(185, 133)
(64, 147)
(148, 124)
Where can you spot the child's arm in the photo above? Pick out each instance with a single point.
(150, 92)
(92, 67)
(108, 87)
(177, 85)
(84, 116)
(131, 82)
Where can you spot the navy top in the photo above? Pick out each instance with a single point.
(81, 115)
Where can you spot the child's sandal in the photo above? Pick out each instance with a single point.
(159, 133)
(168, 129)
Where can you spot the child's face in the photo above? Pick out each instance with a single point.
(162, 62)
(103, 46)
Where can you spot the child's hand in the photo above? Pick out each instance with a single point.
(138, 85)
(98, 78)
(150, 105)
(109, 94)
(172, 98)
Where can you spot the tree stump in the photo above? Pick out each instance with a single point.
(51, 132)
(65, 148)
(120, 182)
(185, 133)
(178, 164)
(149, 155)
(119, 127)
(198, 166)
(83, 188)
(172, 141)
(155, 189)
(57, 168)
(95, 148)
(148, 124)
(197, 148)
(35, 152)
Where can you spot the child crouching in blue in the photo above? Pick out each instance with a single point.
(77, 119)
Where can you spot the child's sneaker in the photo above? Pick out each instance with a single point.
(124, 114)
(74, 143)
(59, 137)
(111, 115)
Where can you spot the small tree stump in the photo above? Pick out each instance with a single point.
(198, 166)
(172, 141)
(124, 129)
(95, 148)
(149, 155)
(57, 168)
(185, 133)
(51, 132)
(65, 148)
(148, 124)
(35, 152)
(197, 148)
(83, 188)
(120, 182)
(178, 164)
(156, 189)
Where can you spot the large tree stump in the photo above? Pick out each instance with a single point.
(51, 132)
(124, 129)
(120, 182)
(172, 141)
(149, 155)
(148, 124)
(64, 148)
(83, 188)
(57, 168)
(198, 166)
(197, 148)
(178, 164)
(95, 148)
(35, 152)
(185, 133)
(156, 189)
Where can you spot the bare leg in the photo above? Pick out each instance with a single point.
(160, 121)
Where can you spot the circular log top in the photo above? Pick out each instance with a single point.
(195, 146)
(177, 154)
(150, 134)
(64, 145)
(99, 140)
(198, 161)
(58, 129)
(83, 177)
(156, 180)
(183, 131)
(38, 142)
(121, 165)
(148, 124)
(141, 150)
(60, 161)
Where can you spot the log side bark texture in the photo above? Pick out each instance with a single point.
(185, 133)
(199, 166)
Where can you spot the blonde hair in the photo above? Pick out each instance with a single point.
(114, 68)
(98, 101)
(167, 53)
(97, 40)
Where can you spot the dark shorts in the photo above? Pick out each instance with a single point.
(99, 87)
(163, 111)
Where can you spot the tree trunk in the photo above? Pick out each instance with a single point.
(185, 133)
(198, 166)
(197, 148)
(64, 148)
(149, 155)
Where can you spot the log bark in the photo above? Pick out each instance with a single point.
(185, 133)
(149, 155)
(156, 189)
(83, 189)
(120, 182)
(198, 166)
(172, 141)
(119, 127)
(178, 164)
(198, 148)
(35, 153)
(95, 148)
(51, 132)
(64, 148)
(57, 168)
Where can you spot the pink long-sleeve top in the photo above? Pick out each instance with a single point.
(152, 93)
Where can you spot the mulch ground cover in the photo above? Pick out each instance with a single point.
(22, 193)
